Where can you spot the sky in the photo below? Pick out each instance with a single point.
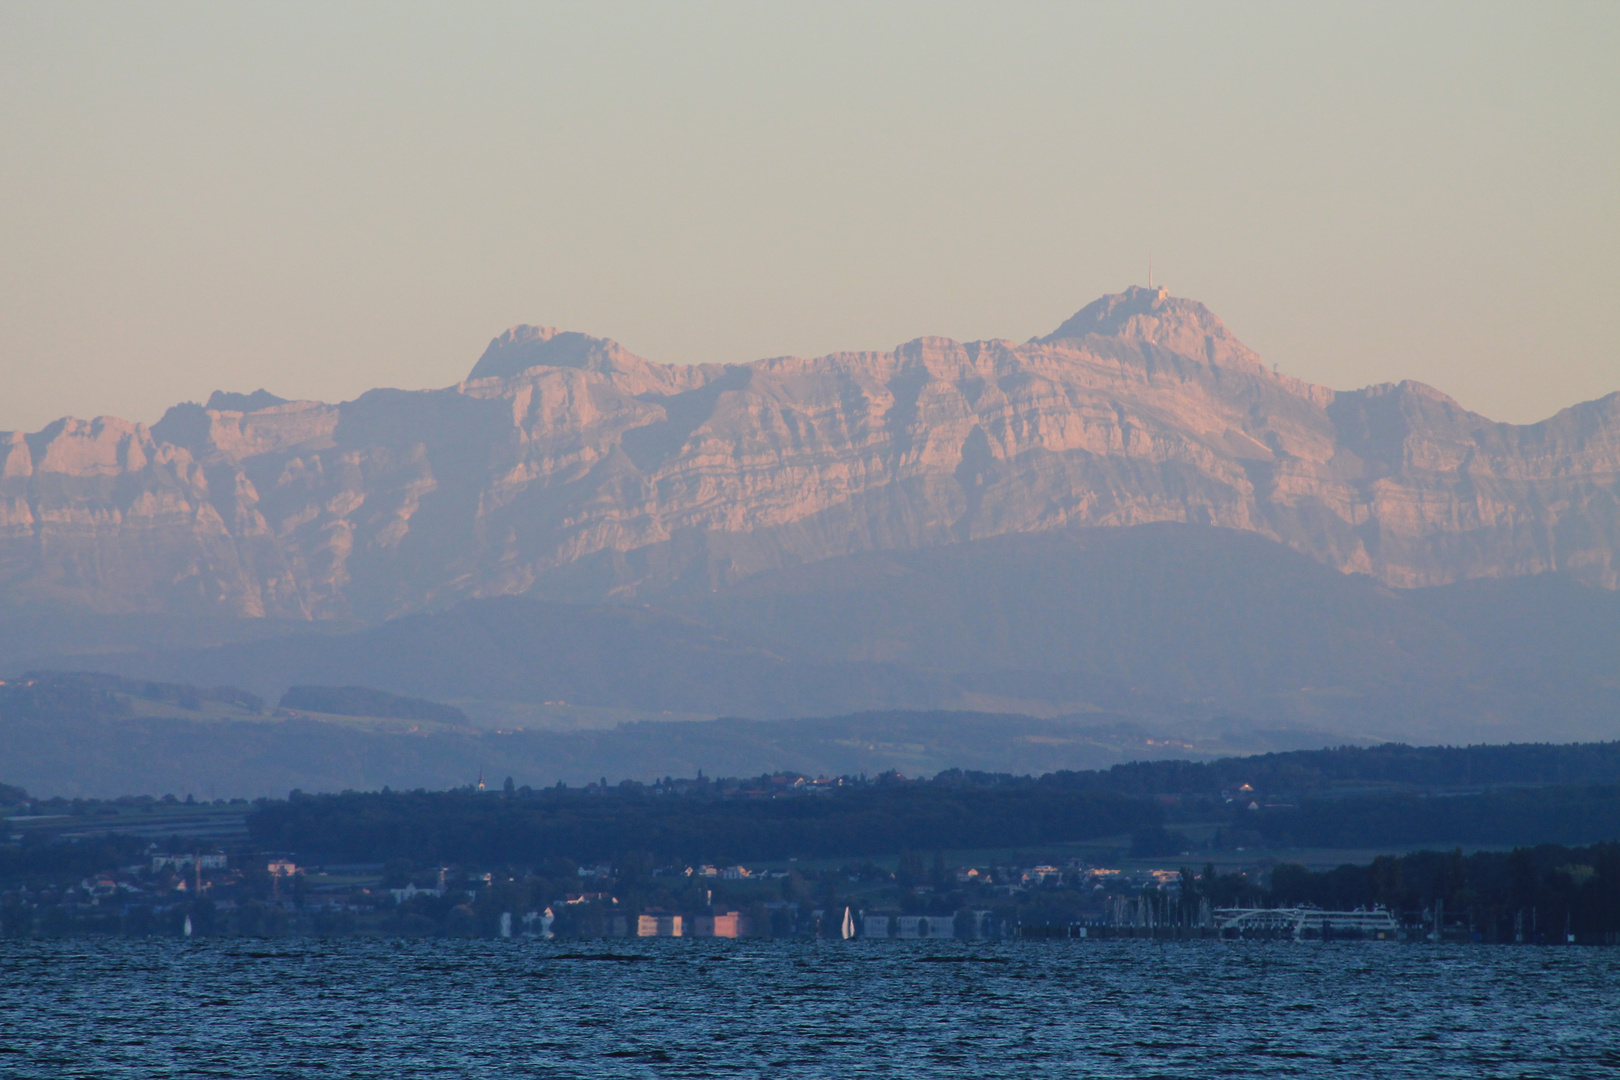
(322, 198)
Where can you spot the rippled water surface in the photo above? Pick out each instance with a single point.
(155, 1008)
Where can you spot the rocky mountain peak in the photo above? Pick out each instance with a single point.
(225, 401)
(1154, 317)
(1113, 313)
(525, 347)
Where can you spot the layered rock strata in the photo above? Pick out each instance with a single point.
(565, 466)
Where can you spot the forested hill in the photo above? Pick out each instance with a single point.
(1346, 798)
(1391, 766)
(706, 824)
(1387, 796)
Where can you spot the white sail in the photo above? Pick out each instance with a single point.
(848, 929)
(188, 926)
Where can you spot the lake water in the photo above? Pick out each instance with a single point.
(351, 1008)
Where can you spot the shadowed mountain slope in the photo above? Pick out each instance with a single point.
(1173, 610)
(1176, 626)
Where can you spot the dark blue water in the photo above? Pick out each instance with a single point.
(244, 1008)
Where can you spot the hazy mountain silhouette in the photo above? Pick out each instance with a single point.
(1131, 520)
(1173, 625)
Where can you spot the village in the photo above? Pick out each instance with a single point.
(212, 893)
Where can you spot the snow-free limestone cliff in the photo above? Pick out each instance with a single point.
(565, 466)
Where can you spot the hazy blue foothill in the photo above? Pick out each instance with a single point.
(1059, 650)
(363, 701)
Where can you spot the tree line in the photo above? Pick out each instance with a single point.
(599, 824)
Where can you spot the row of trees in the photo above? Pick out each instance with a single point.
(598, 825)
(1546, 889)
(1306, 772)
(706, 823)
(1524, 816)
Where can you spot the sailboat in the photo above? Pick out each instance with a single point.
(848, 928)
(187, 928)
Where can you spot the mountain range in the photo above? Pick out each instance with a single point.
(1126, 538)
(567, 468)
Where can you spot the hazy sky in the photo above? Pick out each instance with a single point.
(323, 198)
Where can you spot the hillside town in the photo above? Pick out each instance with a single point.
(1172, 851)
(209, 893)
